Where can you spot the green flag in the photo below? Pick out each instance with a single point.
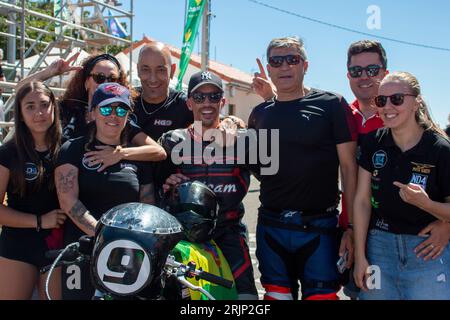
(194, 15)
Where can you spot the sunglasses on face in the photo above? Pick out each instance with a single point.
(397, 99)
(291, 59)
(107, 111)
(100, 78)
(372, 70)
(214, 97)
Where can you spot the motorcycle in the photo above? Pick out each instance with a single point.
(130, 257)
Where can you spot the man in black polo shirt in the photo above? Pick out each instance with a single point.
(158, 108)
(296, 232)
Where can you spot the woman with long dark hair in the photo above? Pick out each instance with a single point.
(32, 211)
(95, 70)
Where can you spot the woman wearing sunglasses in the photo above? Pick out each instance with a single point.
(32, 215)
(94, 71)
(403, 186)
(84, 192)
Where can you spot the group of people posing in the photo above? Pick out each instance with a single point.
(104, 143)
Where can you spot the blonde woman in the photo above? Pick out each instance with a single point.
(403, 187)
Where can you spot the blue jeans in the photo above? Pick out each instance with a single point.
(403, 276)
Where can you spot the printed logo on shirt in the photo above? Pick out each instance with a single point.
(375, 186)
(375, 203)
(375, 177)
(308, 113)
(223, 188)
(422, 168)
(31, 171)
(86, 164)
(162, 123)
(382, 224)
(419, 179)
(379, 159)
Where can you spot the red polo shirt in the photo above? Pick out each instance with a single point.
(363, 126)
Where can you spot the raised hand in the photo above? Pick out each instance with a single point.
(261, 84)
(61, 66)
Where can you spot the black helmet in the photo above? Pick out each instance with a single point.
(195, 206)
(132, 243)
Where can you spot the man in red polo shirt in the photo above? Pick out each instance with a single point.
(367, 66)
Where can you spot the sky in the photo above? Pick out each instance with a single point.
(241, 31)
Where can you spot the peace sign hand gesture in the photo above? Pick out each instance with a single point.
(61, 66)
(261, 84)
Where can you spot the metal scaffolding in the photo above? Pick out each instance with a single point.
(78, 24)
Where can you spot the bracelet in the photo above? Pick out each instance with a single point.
(350, 226)
(38, 223)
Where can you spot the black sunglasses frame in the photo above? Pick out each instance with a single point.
(397, 99)
(100, 78)
(372, 70)
(213, 97)
(291, 59)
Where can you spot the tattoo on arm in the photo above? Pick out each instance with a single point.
(82, 217)
(65, 183)
(147, 194)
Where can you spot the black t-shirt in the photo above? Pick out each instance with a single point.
(156, 119)
(309, 130)
(426, 164)
(35, 201)
(226, 174)
(100, 191)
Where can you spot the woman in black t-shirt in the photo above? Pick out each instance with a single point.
(32, 211)
(95, 70)
(403, 187)
(84, 192)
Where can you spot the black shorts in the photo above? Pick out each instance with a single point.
(28, 247)
(232, 240)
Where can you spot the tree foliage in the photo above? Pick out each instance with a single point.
(46, 7)
(43, 6)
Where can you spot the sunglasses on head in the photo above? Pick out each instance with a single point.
(100, 78)
(372, 70)
(291, 59)
(214, 97)
(119, 110)
(397, 99)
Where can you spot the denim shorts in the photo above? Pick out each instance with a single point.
(397, 274)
